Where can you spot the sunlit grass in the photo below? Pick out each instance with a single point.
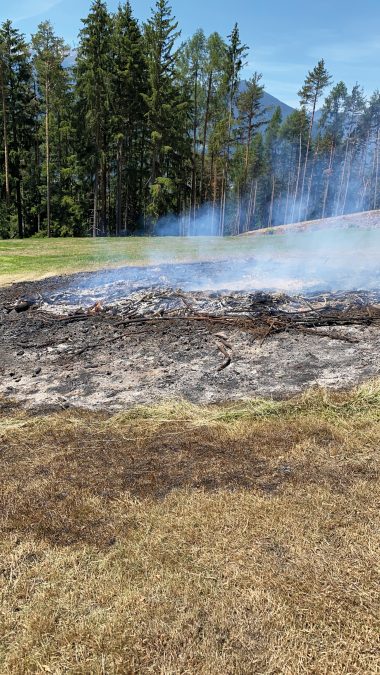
(37, 258)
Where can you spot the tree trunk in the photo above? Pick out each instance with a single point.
(222, 203)
(204, 141)
(238, 211)
(310, 184)
(47, 151)
(118, 188)
(329, 170)
(249, 207)
(247, 148)
(298, 178)
(254, 202)
(5, 136)
(347, 182)
(95, 217)
(214, 178)
(193, 172)
(271, 202)
(37, 161)
(287, 198)
(307, 154)
(103, 194)
(342, 180)
(226, 164)
(376, 171)
(141, 200)
(20, 223)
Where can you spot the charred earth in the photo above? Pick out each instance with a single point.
(138, 335)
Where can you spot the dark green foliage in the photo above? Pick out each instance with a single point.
(18, 108)
(167, 115)
(128, 120)
(52, 85)
(144, 133)
(93, 75)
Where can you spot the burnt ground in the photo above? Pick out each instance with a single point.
(144, 343)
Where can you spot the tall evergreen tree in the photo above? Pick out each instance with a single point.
(167, 113)
(215, 49)
(49, 52)
(93, 74)
(192, 63)
(235, 56)
(251, 114)
(17, 109)
(315, 84)
(129, 87)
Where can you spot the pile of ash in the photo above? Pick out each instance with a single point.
(65, 343)
(168, 301)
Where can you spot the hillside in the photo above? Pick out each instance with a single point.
(365, 219)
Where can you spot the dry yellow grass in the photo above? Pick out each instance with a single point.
(235, 539)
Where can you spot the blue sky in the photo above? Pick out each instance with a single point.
(286, 39)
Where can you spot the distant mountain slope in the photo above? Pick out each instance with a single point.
(269, 101)
(364, 220)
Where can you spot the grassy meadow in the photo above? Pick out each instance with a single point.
(35, 258)
(30, 259)
(176, 539)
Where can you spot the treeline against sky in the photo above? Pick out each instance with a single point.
(142, 136)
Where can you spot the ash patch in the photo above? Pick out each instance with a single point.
(113, 287)
(157, 342)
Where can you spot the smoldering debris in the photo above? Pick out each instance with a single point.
(155, 342)
(271, 324)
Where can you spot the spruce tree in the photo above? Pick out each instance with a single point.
(94, 90)
(315, 83)
(214, 105)
(235, 56)
(49, 52)
(251, 115)
(168, 110)
(193, 55)
(17, 109)
(128, 108)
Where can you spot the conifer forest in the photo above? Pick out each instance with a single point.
(137, 132)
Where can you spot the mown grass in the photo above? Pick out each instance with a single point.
(36, 258)
(181, 539)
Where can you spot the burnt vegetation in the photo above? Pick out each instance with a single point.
(128, 336)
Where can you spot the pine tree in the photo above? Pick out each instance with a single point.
(49, 53)
(17, 108)
(251, 115)
(332, 127)
(315, 83)
(235, 55)
(192, 66)
(214, 103)
(93, 74)
(167, 114)
(128, 108)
